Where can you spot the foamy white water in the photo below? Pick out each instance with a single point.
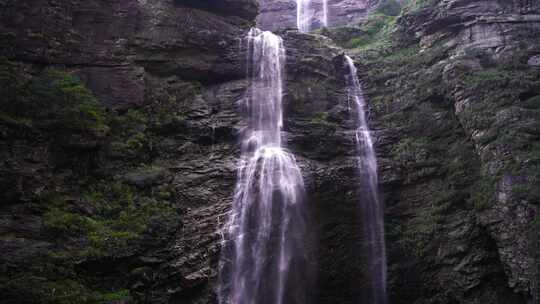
(371, 206)
(263, 260)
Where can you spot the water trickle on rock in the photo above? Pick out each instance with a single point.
(263, 257)
(371, 206)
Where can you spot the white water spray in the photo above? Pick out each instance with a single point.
(263, 257)
(371, 205)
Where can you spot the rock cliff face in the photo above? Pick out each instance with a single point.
(459, 171)
(114, 183)
(132, 198)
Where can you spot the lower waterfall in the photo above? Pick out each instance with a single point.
(263, 258)
(371, 206)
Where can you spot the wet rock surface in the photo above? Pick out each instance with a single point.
(125, 202)
(449, 80)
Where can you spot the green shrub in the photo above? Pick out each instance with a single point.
(413, 5)
(130, 133)
(482, 194)
(410, 150)
(55, 100)
(377, 33)
(120, 217)
(321, 120)
(56, 290)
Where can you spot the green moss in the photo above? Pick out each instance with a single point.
(402, 54)
(107, 221)
(410, 150)
(55, 100)
(413, 5)
(130, 133)
(120, 217)
(65, 102)
(134, 120)
(61, 221)
(116, 296)
(321, 120)
(47, 287)
(482, 194)
(171, 112)
(418, 232)
(483, 77)
(134, 145)
(377, 33)
(14, 120)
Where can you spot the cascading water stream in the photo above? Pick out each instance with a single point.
(263, 257)
(371, 206)
(304, 15)
(325, 13)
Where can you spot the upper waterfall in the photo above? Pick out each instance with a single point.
(277, 15)
(310, 14)
(304, 15)
(325, 13)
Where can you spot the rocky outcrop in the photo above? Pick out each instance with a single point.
(114, 184)
(160, 137)
(498, 32)
(449, 75)
(167, 80)
(124, 40)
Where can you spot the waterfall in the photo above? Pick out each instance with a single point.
(263, 258)
(325, 13)
(371, 206)
(304, 15)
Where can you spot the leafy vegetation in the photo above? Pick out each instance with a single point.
(321, 119)
(90, 221)
(56, 289)
(120, 217)
(413, 5)
(109, 221)
(377, 33)
(482, 194)
(55, 100)
(130, 134)
(411, 150)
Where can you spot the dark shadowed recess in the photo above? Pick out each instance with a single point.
(246, 9)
